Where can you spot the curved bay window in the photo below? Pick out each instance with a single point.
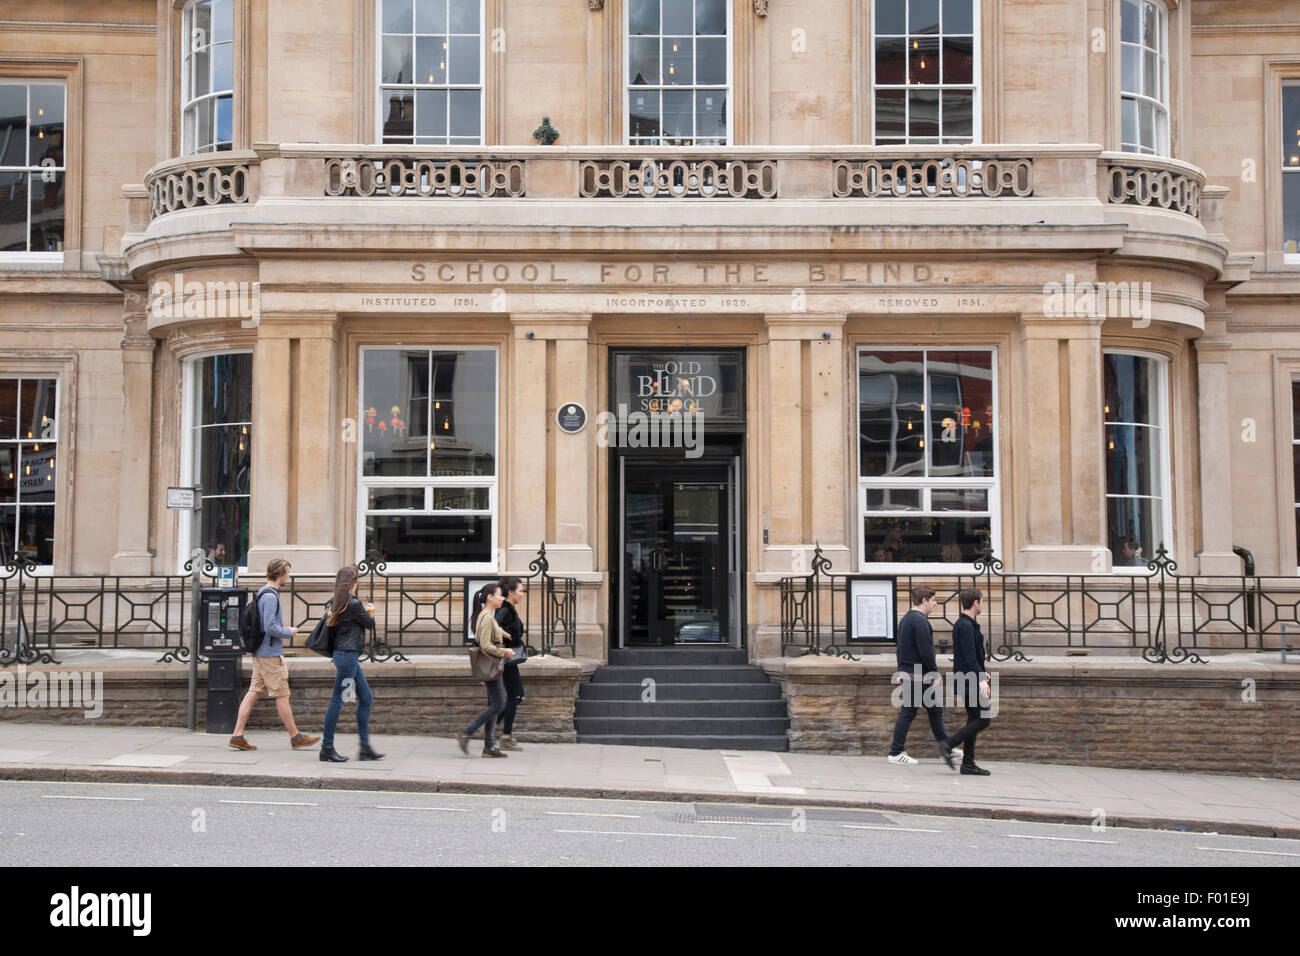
(1137, 459)
(207, 76)
(1144, 77)
(428, 456)
(927, 461)
(28, 469)
(221, 452)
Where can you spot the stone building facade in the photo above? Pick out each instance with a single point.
(937, 276)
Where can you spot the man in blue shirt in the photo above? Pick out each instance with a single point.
(270, 675)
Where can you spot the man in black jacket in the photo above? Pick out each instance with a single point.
(970, 680)
(918, 670)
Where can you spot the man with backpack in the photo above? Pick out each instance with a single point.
(263, 632)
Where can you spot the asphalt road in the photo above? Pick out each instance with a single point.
(62, 824)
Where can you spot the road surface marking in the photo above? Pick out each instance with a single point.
(444, 809)
(575, 813)
(684, 836)
(271, 803)
(1025, 836)
(752, 771)
(742, 823)
(60, 796)
(1220, 849)
(860, 826)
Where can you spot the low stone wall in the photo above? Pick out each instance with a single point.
(434, 696)
(1233, 717)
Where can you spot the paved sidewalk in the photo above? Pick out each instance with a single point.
(1046, 792)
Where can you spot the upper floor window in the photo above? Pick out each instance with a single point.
(678, 69)
(32, 171)
(28, 468)
(925, 71)
(207, 76)
(1144, 77)
(431, 72)
(1291, 171)
(1137, 458)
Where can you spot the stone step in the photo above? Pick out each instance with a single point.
(704, 742)
(680, 656)
(731, 691)
(678, 674)
(673, 726)
(774, 708)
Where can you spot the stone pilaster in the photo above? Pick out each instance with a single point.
(133, 553)
(1216, 438)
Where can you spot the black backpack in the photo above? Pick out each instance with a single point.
(250, 624)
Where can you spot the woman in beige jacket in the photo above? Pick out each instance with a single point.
(491, 641)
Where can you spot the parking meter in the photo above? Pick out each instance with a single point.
(219, 641)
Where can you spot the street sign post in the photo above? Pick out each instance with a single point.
(191, 500)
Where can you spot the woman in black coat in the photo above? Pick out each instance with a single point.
(350, 621)
(508, 617)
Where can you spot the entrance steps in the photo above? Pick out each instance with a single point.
(704, 697)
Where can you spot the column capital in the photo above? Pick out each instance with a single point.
(801, 326)
(1038, 326)
(545, 326)
(298, 325)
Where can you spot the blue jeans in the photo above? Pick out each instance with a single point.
(487, 718)
(347, 666)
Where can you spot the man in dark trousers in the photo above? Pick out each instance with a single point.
(918, 670)
(971, 682)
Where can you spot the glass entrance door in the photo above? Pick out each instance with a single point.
(677, 532)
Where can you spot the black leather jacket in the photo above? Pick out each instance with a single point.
(350, 631)
(508, 618)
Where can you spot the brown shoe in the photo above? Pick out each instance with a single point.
(302, 740)
(494, 752)
(239, 743)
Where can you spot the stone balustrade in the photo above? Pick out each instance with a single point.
(1134, 179)
(211, 179)
(410, 176)
(677, 179)
(932, 178)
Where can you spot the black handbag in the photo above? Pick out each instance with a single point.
(322, 636)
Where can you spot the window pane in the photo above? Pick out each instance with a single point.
(395, 400)
(1151, 75)
(225, 389)
(923, 59)
(679, 124)
(946, 540)
(225, 457)
(223, 67)
(37, 469)
(1130, 383)
(891, 430)
(461, 499)
(1150, 26)
(1129, 21)
(1290, 126)
(958, 16)
(9, 473)
(36, 534)
(397, 16)
(464, 413)
(923, 16)
(399, 116)
(679, 17)
(464, 60)
(959, 60)
(711, 62)
(1130, 68)
(225, 530)
(643, 17)
(429, 538)
(1146, 125)
(1129, 117)
(678, 61)
(1133, 527)
(223, 21)
(643, 61)
(893, 499)
(200, 72)
(1133, 461)
(891, 113)
(8, 408)
(397, 60)
(47, 212)
(891, 61)
(36, 417)
(46, 126)
(959, 499)
(431, 60)
(890, 16)
(432, 113)
(923, 113)
(463, 16)
(431, 16)
(395, 499)
(711, 113)
(1295, 412)
(958, 115)
(13, 125)
(14, 201)
(644, 118)
(465, 113)
(711, 17)
(961, 413)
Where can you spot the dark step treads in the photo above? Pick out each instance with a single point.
(666, 691)
(714, 724)
(684, 708)
(703, 742)
(693, 656)
(677, 674)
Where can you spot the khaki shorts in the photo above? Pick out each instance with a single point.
(270, 677)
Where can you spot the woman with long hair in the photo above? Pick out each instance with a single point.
(350, 621)
(491, 641)
(507, 616)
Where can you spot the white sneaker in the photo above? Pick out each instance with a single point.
(902, 758)
(957, 753)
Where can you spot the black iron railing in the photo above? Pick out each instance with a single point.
(41, 614)
(1160, 614)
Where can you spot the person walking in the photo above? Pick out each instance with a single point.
(491, 641)
(971, 680)
(508, 617)
(270, 675)
(918, 670)
(350, 620)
